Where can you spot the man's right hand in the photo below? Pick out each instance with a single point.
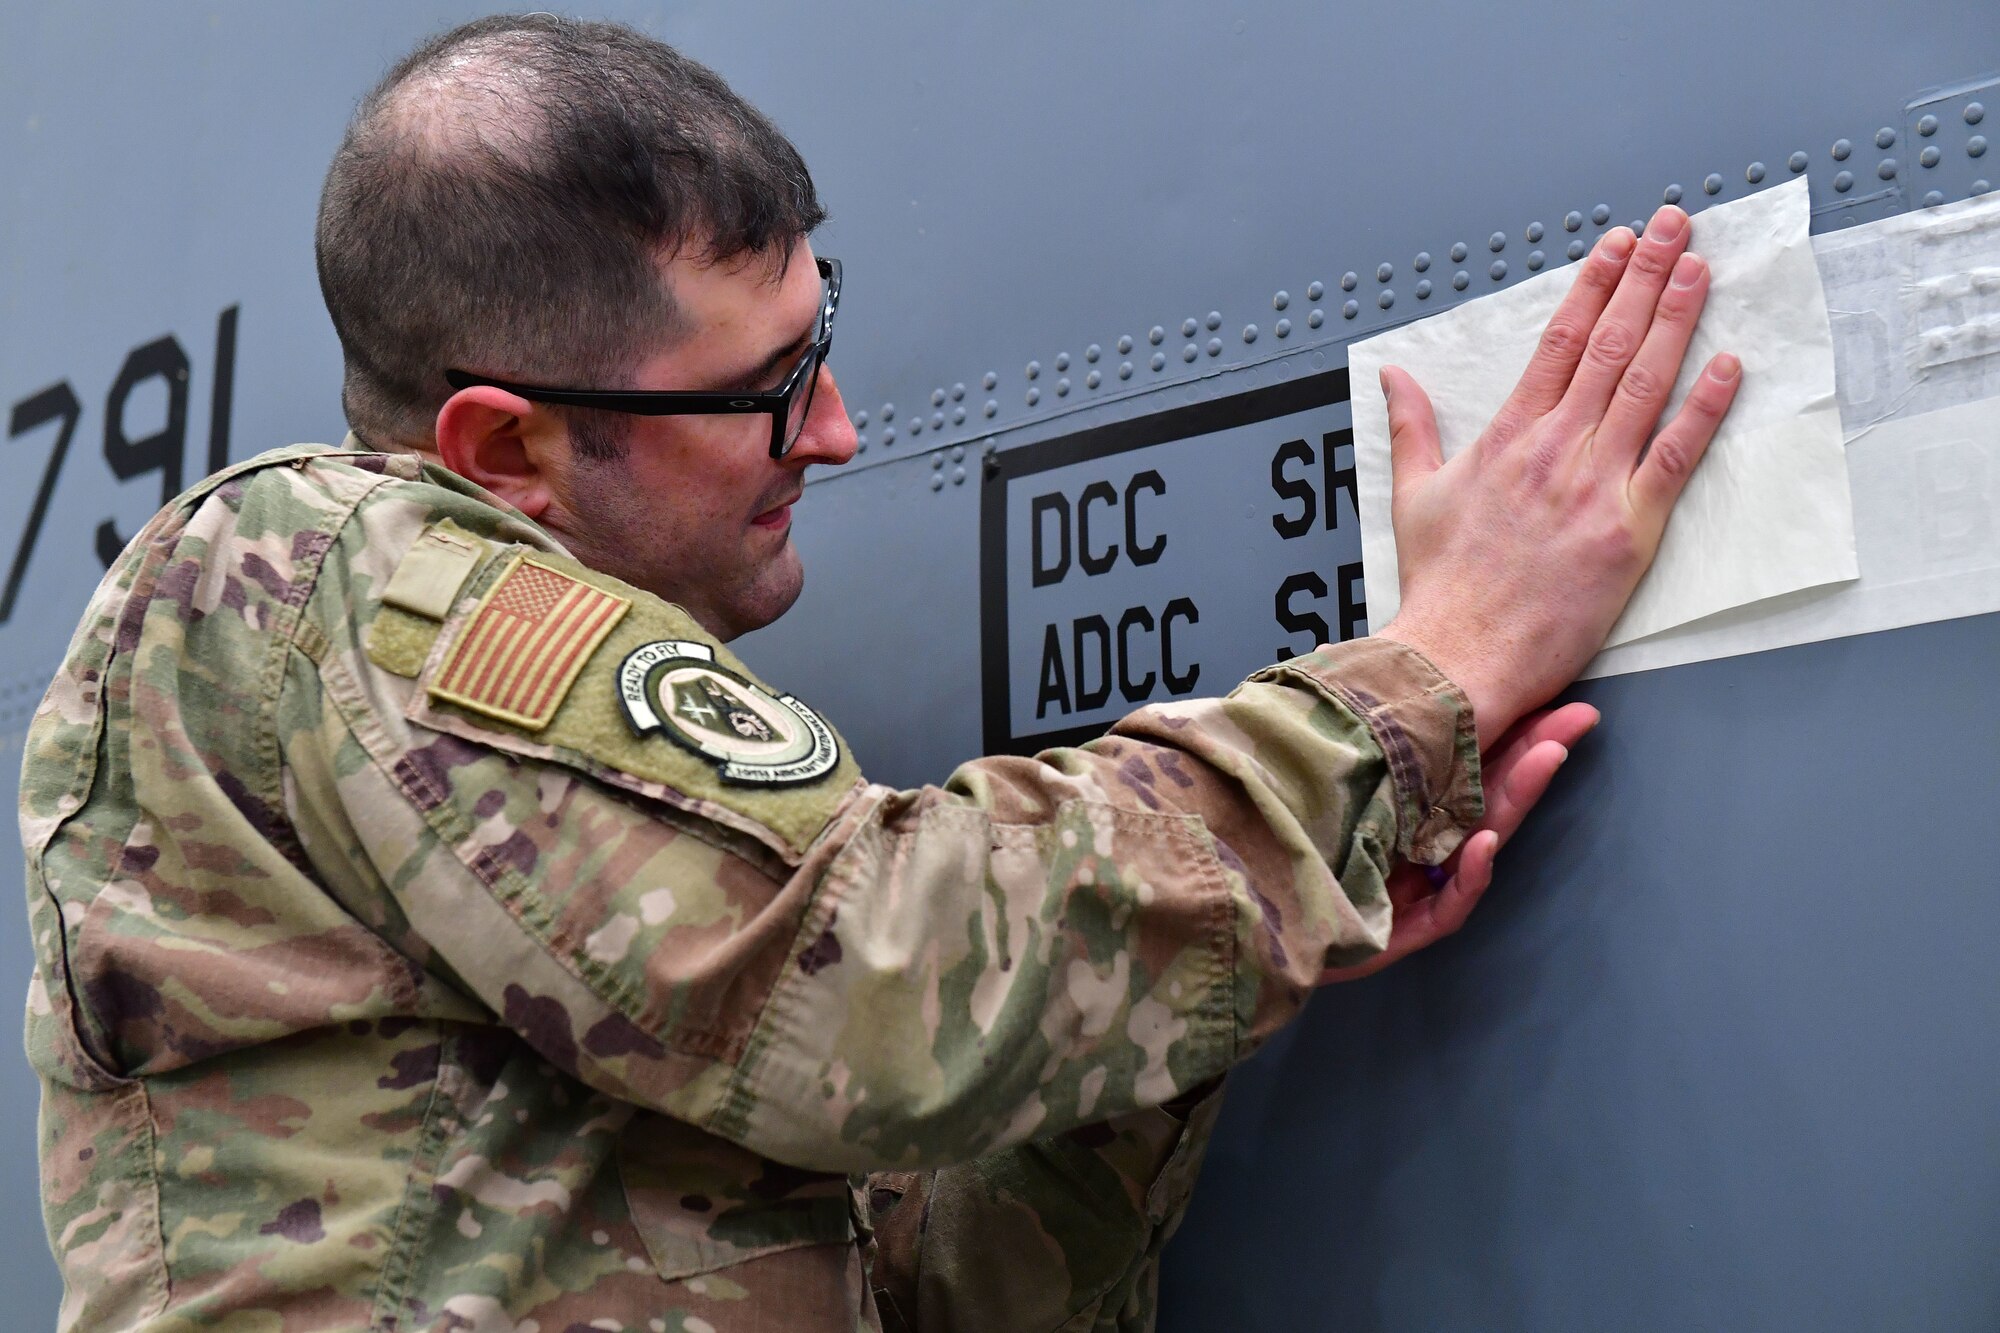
(1518, 555)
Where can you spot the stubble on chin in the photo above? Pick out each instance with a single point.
(764, 591)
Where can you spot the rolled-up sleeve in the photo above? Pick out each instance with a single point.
(1045, 942)
(1037, 944)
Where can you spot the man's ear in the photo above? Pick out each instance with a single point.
(500, 441)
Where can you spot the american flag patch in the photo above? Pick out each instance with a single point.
(521, 651)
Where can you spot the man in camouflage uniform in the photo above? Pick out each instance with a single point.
(438, 928)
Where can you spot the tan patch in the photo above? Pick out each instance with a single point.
(436, 567)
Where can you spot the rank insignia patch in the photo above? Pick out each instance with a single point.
(525, 643)
(754, 737)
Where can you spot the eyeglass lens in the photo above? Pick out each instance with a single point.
(801, 406)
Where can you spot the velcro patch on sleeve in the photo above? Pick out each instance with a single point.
(519, 652)
(436, 567)
(400, 641)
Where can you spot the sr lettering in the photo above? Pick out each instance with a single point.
(1310, 482)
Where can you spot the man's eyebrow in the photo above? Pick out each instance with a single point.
(754, 377)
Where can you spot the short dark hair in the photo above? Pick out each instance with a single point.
(502, 201)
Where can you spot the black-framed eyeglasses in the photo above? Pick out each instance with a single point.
(788, 405)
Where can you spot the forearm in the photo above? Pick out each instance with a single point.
(1044, 943)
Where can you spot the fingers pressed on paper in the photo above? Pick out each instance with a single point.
(1644, 388)
(1621, 330)
(1548, 374)
(1665, 469)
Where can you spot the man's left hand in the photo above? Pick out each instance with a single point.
(1514, 776)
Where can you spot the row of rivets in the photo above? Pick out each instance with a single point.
(1156, 335)
(1600, 215)
(1930, 157)
(956, 394)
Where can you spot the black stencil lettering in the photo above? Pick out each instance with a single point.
(55, 403)
(1290, 489)
(1149, 480)
(1052, 503)
(1338, 478)
(159, 452)
(223, 395)
(1135, 691)
(108, 543)
(1094, 628)
(1181, 608)
(1099, 562)
(1301, 622)
(1054, 688)
(1353, 605)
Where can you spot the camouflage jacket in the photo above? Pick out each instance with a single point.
(433, 933)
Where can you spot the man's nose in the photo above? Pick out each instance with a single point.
(828, 437)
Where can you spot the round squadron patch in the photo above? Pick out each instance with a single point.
(753, 736)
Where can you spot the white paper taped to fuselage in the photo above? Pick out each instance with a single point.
(1767, 513)
(1914, 301)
